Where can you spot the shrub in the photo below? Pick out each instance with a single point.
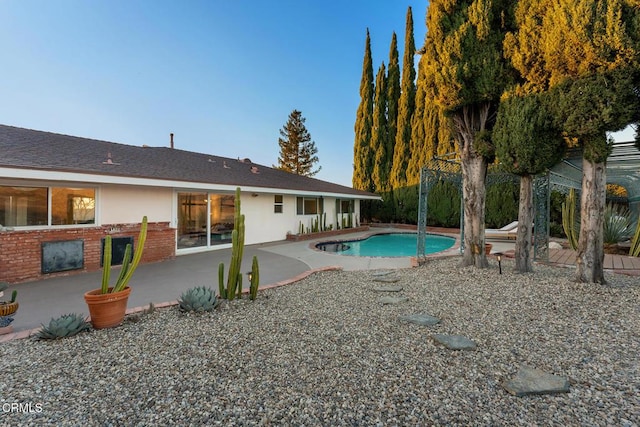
(501, 206)
(443, 205)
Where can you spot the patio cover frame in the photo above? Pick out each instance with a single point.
(622, 168)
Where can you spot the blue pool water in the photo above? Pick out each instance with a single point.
(388, 245)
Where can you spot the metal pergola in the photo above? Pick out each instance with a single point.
(622, 168)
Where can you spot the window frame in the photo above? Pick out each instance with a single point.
(301, 205)
(278, 204)
(49, 188)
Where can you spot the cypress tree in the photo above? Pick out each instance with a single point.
(528, 142)
(406, 105)
(362, 154)
(420, 149)
(393, 98)
(466, 76)
(297, 150)
(379, 138)
(586, 53)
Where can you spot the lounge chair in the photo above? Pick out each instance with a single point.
(508, 232)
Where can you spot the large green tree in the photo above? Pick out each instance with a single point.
(466, 75)
(393, 98)
(379, 138)
(585, 52)
(406, 106)
(362, 154)
(527, 142)
(430, 133)
(297, 150)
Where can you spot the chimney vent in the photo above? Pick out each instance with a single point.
(171, 139)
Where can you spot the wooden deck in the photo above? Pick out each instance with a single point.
(617, 263)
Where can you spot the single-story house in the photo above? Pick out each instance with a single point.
(61, 195)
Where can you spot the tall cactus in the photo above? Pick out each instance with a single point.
(255, 278)
(221, 289)
(234, 283)
(129, 263)
(569, 219)
(634, 250)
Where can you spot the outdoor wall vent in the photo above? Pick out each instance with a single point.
(109, 160)
(245, 160)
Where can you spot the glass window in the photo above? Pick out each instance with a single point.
(278, 203)
(222, 218)
(307, 206)
(192, 220)
(73, 206)
(22, 206)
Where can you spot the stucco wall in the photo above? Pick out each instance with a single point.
(124, 204)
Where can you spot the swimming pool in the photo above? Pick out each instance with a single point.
(388, 245)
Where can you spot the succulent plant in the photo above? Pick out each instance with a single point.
(198, 299)
(5, 321)
(64, 326)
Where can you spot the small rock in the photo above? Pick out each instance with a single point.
(455, 342)
(533, 381)
(388, 289)
(393, 300)
(555, 245)
(420, 319)
(386, 279)
(381, 273)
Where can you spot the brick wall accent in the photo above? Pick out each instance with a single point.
(21, 253)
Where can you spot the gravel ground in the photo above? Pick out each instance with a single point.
(325, 351)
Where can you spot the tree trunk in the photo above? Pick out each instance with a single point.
(474, 172)
(525, 219)
(590, 257)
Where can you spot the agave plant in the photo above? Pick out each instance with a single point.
(198, 299)
(64, 326)
(618, 223)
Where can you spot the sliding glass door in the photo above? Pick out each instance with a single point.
(204, 219)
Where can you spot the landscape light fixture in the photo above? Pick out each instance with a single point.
(249, 276)
(499, 256)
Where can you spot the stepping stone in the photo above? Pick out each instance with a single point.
(393, 300)
(388, 289)
(381, 273)
(455, 342)
(533, 381)
(420, 319)
(386, 279)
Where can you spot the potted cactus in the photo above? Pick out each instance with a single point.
(7, 310)
(108, 304)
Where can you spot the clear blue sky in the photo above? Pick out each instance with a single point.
(223, 75)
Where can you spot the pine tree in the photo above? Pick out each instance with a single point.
(586, 54)
(393, 98)
(379, 137)
(406, 105)
(466, 76)
(362, 154)
(297, 150)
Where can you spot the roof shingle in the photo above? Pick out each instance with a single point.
(32, 149)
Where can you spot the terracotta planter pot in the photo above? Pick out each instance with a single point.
(487, 248)
(107, 310)
(8, 308)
